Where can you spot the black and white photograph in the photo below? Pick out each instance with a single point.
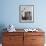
(26, 13)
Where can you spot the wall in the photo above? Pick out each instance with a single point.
(10, 13)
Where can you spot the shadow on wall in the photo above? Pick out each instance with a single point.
(2, 26)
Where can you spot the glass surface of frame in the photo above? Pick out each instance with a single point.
(26, 13)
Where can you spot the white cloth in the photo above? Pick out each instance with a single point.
(11, 28)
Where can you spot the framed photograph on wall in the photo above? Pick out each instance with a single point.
(26, 13)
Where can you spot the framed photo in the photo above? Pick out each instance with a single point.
(26, 13)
